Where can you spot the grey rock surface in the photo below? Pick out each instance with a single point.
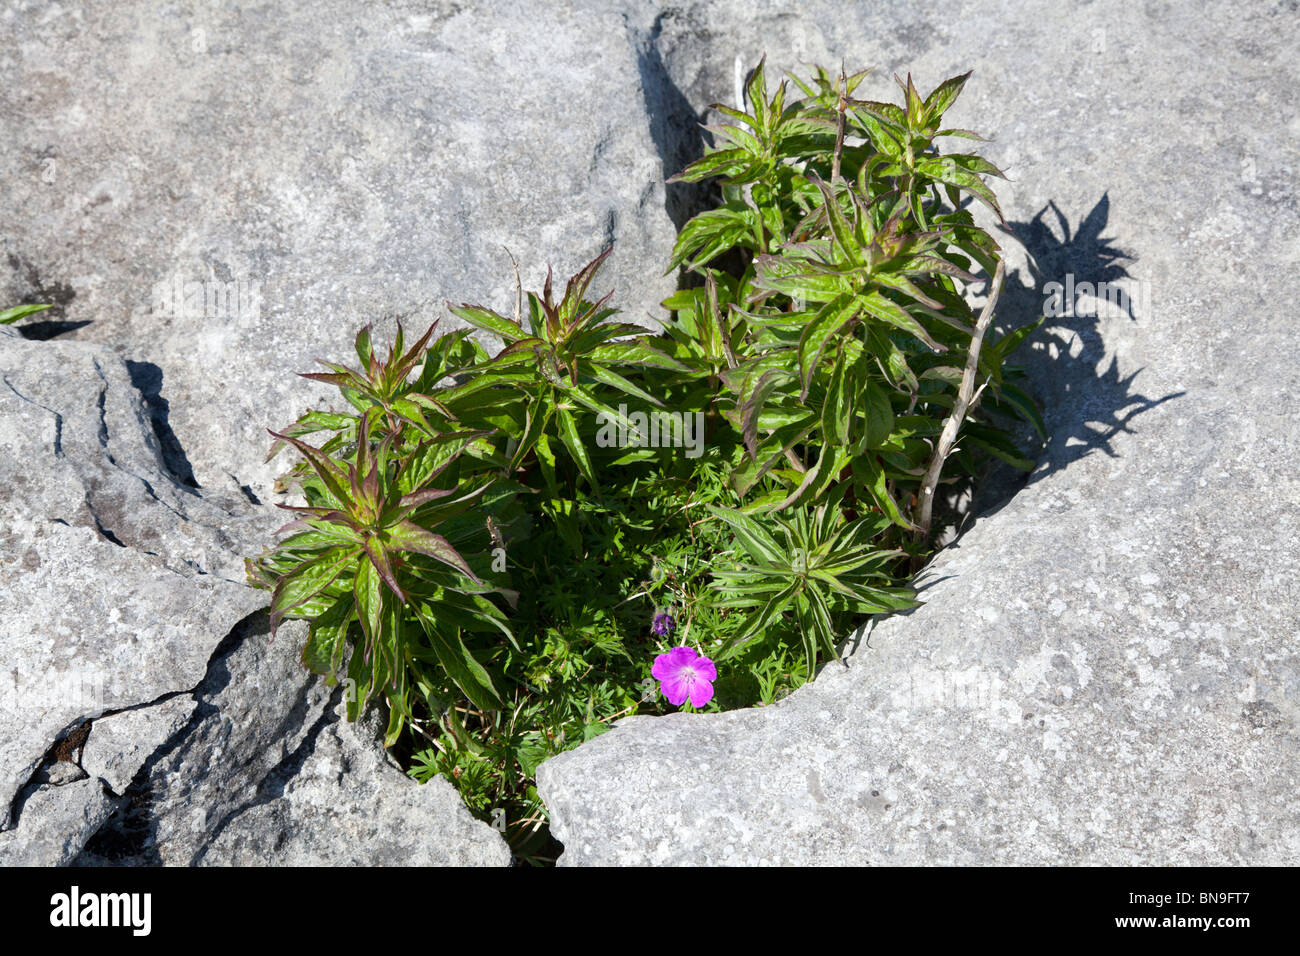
(121, 743)
(328, 165)
(124, 605)
(57, 821)
(119, 582)
(266, 772)
(1106, 668)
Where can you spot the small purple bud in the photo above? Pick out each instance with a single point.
(663, 624)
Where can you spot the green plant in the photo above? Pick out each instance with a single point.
(9, 316)
(476, 549)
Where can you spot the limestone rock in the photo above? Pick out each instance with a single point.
(309, 170)
(120, 744)
(56, 822)
(119, 581)
(266, 772)
(1105, 670)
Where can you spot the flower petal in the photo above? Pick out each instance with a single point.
(663, 667)
(701, 692)
(681, 685)
(682, 656)
(706, 668)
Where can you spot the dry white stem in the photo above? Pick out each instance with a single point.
(966, 397)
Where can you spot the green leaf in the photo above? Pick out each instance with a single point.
(869, 471)
(1003, 347)
(711, 164)
(838, 410)
(945, 170)
(576, 290)
(488, 321)
(1002, 449)
(752, 407)
(308, 580)
(367, 589)
(327, 638)
(611, 378)
(830, 321)
(751, 535)
(577, 449)
(710, 234)
(943, 96)
(331, 474)
(821, 619)
(879, 415)
(460, 665)
(1024, 406)
(639, 352)
(21, 312)
(758, 623)
(408, 536)
(840, 227)
(876, 304)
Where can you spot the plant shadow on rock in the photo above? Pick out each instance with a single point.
(1084, 405)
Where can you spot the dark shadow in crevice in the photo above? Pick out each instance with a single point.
(66, 748)
(148, 378)
(272, 786)
(675, 127)
(59, 295)
(48, 329)
(129, 836)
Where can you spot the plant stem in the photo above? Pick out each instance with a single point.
(966, 397)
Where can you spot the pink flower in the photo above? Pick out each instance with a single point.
(684, 673)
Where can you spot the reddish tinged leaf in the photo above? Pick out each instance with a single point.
(365, 348)
(398, 339)
(306, 581)
(413, 358)
(943, 95)
(753, 407)
(258, 576)
(333, 476)
(589, 317)
(546, 288)
(322, 514)
(577, 287)
(409, 536)
(523, 345)
(331, 378)
(364, 476)
(300, 525)
(379, 558)
(487, 320)
(370, 485)
(417, 498)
